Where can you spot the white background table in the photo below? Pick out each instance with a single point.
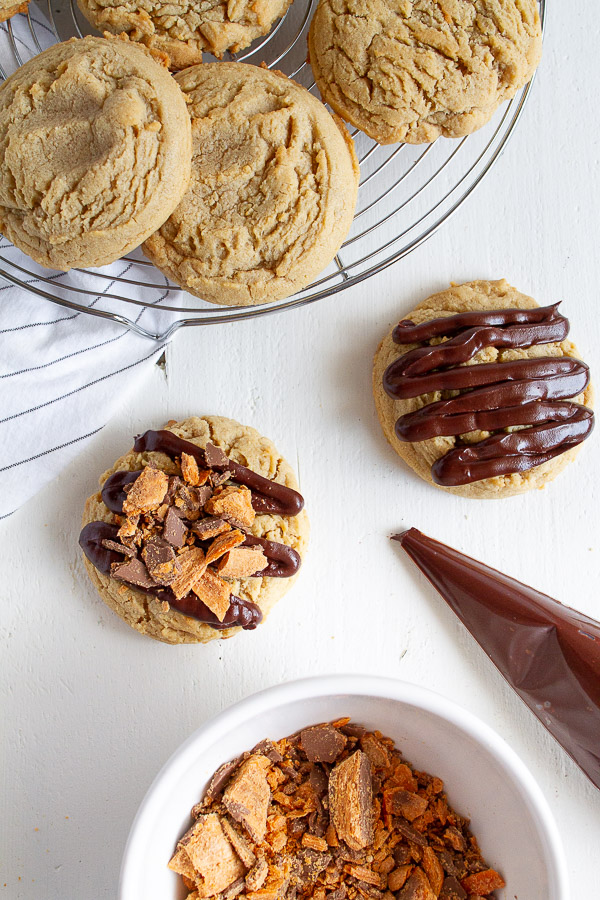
(91, 710)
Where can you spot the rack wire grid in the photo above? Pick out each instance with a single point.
(406, 193)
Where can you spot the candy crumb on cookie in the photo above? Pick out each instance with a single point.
(186, 543)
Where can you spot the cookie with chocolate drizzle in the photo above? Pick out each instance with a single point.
(480, 392)
(196, 532)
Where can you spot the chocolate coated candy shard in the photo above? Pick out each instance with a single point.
(134, 572)
(375, 750)
(548, 653)
(322, 743)
(118, 548)
(417, 887)
(240, 844)
(399, 802)
(215, 458)
(351, 800)
(312, 863)
(160, 560)
(210, 527)
(452, 890)
(174, 531)
(220, 779)
(247, 796)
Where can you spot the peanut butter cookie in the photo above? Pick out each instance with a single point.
(417, 69)
(8, 9)
(273, 188)
(95, 149)
(196, 532)
(479, 391)
(184, 29)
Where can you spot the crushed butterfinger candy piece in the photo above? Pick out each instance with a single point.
(351, 800)
(241, 846)
(214, 592)
(160, 560)
(242, 562)
(399, 802)
(483, 882)
(147, 492)
(223, 543)
(247, 796)
(189, 469)
(210, 527)
(322, 743)
(214, 862)
(234, 504)
(279, 806)
(417, 887)
(192, 565)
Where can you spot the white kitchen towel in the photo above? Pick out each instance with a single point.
(62, 372)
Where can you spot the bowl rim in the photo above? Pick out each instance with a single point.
(358, 685)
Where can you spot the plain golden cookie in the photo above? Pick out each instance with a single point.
(247, 447)
(420, 456)
(95, 149)
(273, 188)
(413, 70)
(183, 29)
(8, 9)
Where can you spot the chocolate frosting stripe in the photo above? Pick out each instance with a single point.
(241, 612)
(551, 369)
(500, 395)
(504, 454)
(406, 332)
(267, 496)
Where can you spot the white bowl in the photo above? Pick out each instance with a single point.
(483, 777)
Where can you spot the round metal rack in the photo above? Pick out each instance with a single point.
(406, 192)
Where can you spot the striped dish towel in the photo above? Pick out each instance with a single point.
(63, 373)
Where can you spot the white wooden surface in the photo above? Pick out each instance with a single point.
(91, 710)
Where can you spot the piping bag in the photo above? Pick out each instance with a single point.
(547, 652)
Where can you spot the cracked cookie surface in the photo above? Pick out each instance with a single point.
(273, 188)
(95, 148)
(246, 446)
(9, 8)
(421, 455)
(417, 69)
(184, 29)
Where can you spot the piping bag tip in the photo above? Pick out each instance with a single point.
(548, 653)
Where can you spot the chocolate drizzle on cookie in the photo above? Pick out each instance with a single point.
(267, 496)
(93, 540)
(530, 394)
(183, 538)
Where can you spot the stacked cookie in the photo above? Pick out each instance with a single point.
(96, 157)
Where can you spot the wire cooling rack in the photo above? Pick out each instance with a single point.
(406, 192)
